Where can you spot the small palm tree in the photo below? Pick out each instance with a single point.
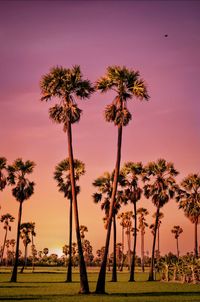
(3, 179)
(126, 84)
(123, 223)
(152, 226)
(25, 232)
(177, 230)
(189, 200)
(104, 185)
(83, 229)
(132, 171)
(23, 189)
(62, 176)
(161, 187)
(142, 212)
(64, 85)
(6, 219)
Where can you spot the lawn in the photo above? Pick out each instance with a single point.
(47, 284)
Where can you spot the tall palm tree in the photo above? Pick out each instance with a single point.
(3, 179)
(177, 230)
(104, 185)
(6, 219)
(128, 221)
(160, 186)
(64, 85)
(62, 176)
(142, 212)
(25, 232)
(189, 200)
(132, 171)
(126, 84)
(23, 189)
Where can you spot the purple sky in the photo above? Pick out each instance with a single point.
(36, 35)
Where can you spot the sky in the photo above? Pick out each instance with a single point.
(36, 35)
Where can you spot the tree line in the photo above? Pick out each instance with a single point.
(67, 86)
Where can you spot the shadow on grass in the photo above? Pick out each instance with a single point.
(50, 297)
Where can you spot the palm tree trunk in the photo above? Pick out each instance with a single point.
(114, 271)
(33, 254)
(132, 273)
(3, 248)
(151, 276)
(158, 240)
(69, 270)
(100, 288)
(129, 247)
(177, 247)
(14, 272)
(83, 273)
(142, 249)
(195, 239)
(122, 264)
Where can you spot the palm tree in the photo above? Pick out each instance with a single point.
(122, 216)
(33, 250)
(152, 226)
(66, 84)
(83, 229)
(132, 171)
(126, 84)
(6, 219)
(160, 186)
(62, 176)
(177, 230)
(23, 189)
(3, 179)
(128, 221)
(142, 212)
(104, 185)
(25, 232)
(189, 200)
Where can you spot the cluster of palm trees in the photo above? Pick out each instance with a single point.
(67, 86)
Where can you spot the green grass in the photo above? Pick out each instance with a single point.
(47, 284)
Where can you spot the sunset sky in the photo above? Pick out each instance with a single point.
(36, 35)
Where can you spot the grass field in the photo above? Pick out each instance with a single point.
(47, 284)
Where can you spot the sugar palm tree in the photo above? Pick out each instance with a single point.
(62, 176)
(152, 226)
(126, 84)
(83, 229)
(160, 186)
(189, 200)
(132, 171)
(6, 219)
(22, 190)
(122, 217)
(25, 232)
(177, 230)
(128, 221)
(64, 85)
(104, 185)
(3, 179)
(142, 212)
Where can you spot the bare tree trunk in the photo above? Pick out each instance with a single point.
(83, 273)
(151, 276)
(132, 273)
(114, 271)
(33, 254)
(14, 272)
(158, 240)
(100, 288)
(69, 270)
(129, 247)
